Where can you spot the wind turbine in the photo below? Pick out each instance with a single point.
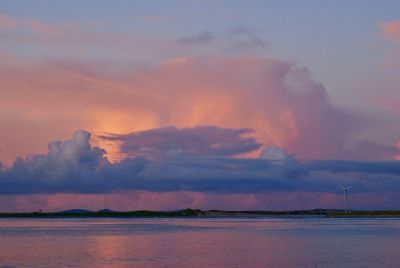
(345, 189)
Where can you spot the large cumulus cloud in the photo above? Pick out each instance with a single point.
(77, 167)
(279, 100)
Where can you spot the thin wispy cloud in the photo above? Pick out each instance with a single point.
(153, 18)
(199, 39)
(236, 38)
(245, 38)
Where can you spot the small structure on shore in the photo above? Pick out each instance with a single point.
(345, 190)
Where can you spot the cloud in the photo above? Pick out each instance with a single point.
(7, 23)
(64, 37)
(274, 153)
(281, 102)
(199, 39)
(368, 150)
(152, 18)
(278, 100)
(74, 158)
(245, 38)
(391, 30)
(195, 141)
(36, 30)
(74, 166)
(239, 38)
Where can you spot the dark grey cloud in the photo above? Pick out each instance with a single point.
(75, 166)
(199, 39)
(243, 37)
(236, 38)
(195, 141)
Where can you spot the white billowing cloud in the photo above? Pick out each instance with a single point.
(275, 153)
(77, 149)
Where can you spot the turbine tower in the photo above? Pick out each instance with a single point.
(345, 189)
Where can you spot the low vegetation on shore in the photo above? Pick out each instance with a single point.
(200, 213)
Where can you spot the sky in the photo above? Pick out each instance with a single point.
(163, 105)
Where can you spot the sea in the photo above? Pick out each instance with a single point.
(200, 242)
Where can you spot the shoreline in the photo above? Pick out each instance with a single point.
(196, 213)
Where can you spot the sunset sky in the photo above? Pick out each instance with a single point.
(166, 105)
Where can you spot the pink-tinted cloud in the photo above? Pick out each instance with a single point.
(391, 30)
(28, 32)
(32, 28)
(279, 101)
(7, 23)
(367, 150)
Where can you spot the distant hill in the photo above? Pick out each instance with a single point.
(105, 210)
(76, 211)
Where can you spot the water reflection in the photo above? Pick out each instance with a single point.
(199, 243)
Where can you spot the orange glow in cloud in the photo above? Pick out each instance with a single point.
(52, 99)
(391, 30)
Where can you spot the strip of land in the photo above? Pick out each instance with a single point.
(204, 214)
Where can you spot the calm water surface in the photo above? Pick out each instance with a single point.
(306, 242)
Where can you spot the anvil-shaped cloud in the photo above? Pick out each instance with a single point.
(278, 100)
(199, 140)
